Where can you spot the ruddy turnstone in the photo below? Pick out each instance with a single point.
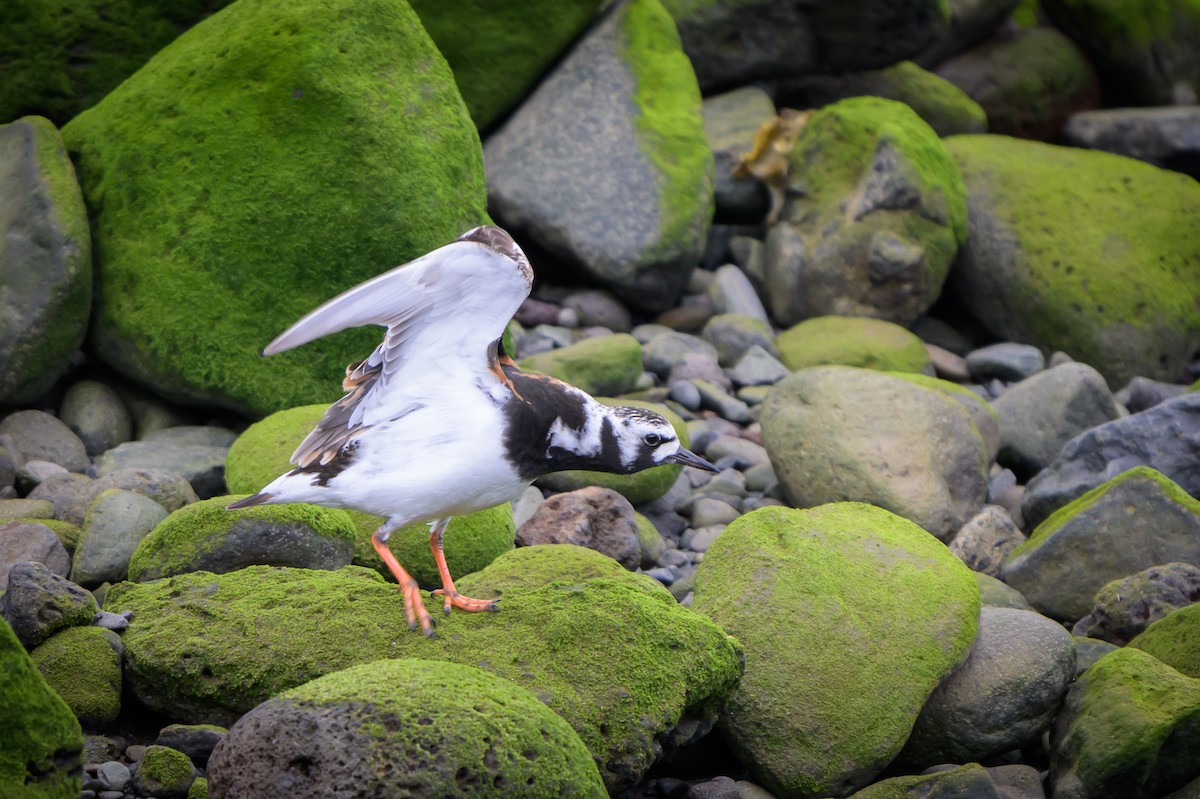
(438, 421)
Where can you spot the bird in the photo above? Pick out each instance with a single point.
(439, 421)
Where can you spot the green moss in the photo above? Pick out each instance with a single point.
(867, 613)
(669, 121)
(198, 789)
(1175, 640)
(470, 543)
(492, 731)
(947, 108)
(41, 743)
(499, 50)
(1081, 504)
(264, 450)
(602, 365)
(67, 533)
(650, 540)
(1109, 287)
(525, 568)
(969, 780)
(200, 529)
(162, 767)
(643, 486)
(852, 341)
(214, 646)
(83, 666)
(213, 163)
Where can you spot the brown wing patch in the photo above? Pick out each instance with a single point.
(322, 446)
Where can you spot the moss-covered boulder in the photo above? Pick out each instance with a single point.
(971, 780)
(852, 341)
(262, 453)
(407, 727)
(850, 616)
(624, 96)
(640, 487)
(1175, 640)
(1081, 251)
(163, 771)
(267, 159)
(1130, 726)
(204, 536)
(607, 365)
(83, 666)
(498, 50)
(824, 432)
(62, 56)
(41, 743)
(875, 216)
(1096, 539)
(211, 647)
(47, 264)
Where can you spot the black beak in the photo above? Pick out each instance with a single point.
(688, 458)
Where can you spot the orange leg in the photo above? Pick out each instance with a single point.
(452, 597)
(414, 604)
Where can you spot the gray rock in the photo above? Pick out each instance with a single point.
(115, 524)
(29, 507)
(758, 367)
(112, 621)
(1128, 606)
(971, 21)
(1166, 438)
(96, 414)
(821, 427)
(1088, 651)
(1040, 414)
(202, 465)
(596, 307)
(593, 517)
(699, 366)
(733, 334)
(1072, 555)
(715, 398)
(636, 226)
(33, 473)
(732, 292)
(38, 435)
(46, 270)
(984, 541)
(193, 435)
(686, 394)
(716, 788)
(941, 782)
(22, 542)
(115, 774)
(948, 365)
(708, 512)
(744, 452)
(731, 121)
(1002, 697)
(70, 495)
(1142, 393)
(994, 593)
(194, 740)
(168, 489)
(1168, 136)
(1005, 361)
(8, 466)
(662, 352)
(39, 603)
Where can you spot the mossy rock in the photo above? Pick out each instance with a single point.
(263, 452)
(206, 647)
(564, 563)
(409, 727)
(1175, 640)
(341, 108)
(865, 613)
(163, 771)
(498, 50)
(1129, 726)
(607, 365)
(83, 666)
(643, 486)
(1081, 251)
(41, 742)
(204, 536)
(68, 534)
(852, 341)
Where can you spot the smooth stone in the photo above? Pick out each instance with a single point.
(39, 603)
(1005, 361)
(663, 351)
(599, 307)
(97, 414)
(986, 539)
(734, 333)
(732, 292)
(38, 435)
(202, 465)
(115, 524)
(758, 367)
(69, 494)
(1126, 607)
(1166, 136)
(686, 394)
(27, 508)
(715, 398)
(25, 541)
(33, 473)
(195, 434)
(593, 517)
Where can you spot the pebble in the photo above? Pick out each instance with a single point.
(1005, 361)
(758, 367)
(716, 399)
(686, 394)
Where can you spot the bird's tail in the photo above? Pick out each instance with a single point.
(250, 501)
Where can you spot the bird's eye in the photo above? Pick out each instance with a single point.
(652, 439)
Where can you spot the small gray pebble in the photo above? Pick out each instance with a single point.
(686, 394)
(112, 621)
(674, 557)
(662, 574)
(116, 775)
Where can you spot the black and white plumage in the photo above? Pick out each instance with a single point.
(437, 422)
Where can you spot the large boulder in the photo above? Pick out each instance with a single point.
(499, 50)
(1081, 251)
(407, 727)
(875, 215)
(852, 341)
(83, 666)
(1165, 438)
(225, 208)
(822, 430)
(207, 647)
(1097, 539)
(45, 257)
(850, 616)
(626, 97)
(41, 743)
(1175, 640)
(1130, 726)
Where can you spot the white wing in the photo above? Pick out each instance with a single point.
(442, 312)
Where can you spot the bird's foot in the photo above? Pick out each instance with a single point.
(414, 609)
(454, 599)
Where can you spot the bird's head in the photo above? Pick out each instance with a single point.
(646, 439)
